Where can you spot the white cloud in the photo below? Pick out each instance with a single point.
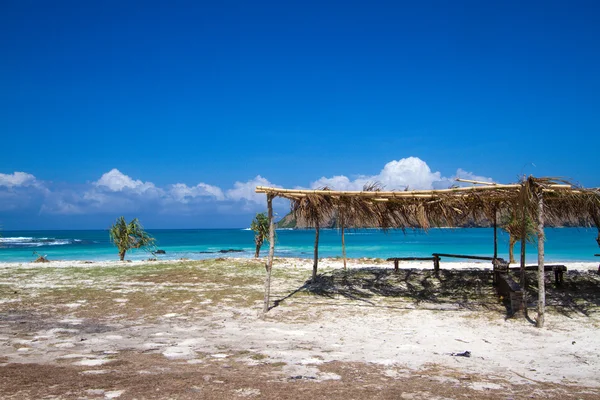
(184, 193)
(116, 181)
(20, 191)
(62, 207)
(115, 193)
(246, 190)
(339, 182)
(17, 179)
(411, 172)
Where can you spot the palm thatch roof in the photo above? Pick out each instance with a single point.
(443, 207)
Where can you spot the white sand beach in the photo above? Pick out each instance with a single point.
(74, 315)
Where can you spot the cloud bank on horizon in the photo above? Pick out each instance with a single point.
(409, 173)
(116, 193)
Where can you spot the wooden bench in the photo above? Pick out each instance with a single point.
(438, 256)
(397, 259)
(512, 291)
(500, 265)
(558, 270)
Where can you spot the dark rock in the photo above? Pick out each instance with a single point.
(230, 251)
(463, 354)
(298, 377)
(160, 252)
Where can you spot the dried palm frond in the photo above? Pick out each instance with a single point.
(313, 208)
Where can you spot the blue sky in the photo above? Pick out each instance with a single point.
(174, 111)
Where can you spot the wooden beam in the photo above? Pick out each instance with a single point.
(476, 182)
(468, 257)
(489, 186)
(382, 194)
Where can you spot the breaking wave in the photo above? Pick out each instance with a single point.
(20, 242)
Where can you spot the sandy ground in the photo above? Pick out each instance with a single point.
(195, 330)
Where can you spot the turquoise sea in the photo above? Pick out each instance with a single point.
(562, 244)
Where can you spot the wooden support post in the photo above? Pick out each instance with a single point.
(316, 260)
(436, 264)
(558, 276)
(269, 265)
(541, 275)
(343, 240)
(523, 276)
(396, 265)
(495, 233)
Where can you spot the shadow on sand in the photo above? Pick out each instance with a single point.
(449, 289)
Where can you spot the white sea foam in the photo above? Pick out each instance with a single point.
(24, 241)
(15, 239)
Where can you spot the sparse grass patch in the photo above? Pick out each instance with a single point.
(258, 356)
(149, 289)
(278, 364)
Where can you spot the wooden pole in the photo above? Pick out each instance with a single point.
(495, 233)
(269, 265)
(523, 237)
(343, 238)
(316, 261)
(541, 277)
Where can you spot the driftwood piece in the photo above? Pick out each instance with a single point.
(40, 258)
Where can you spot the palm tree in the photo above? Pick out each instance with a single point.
(514, 226)
(260, 226)
(128, 236)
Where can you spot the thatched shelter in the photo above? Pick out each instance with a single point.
(542, 200)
